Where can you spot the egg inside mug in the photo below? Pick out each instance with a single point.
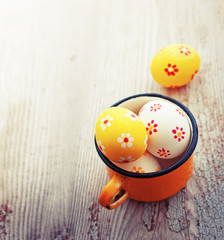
(135, 103)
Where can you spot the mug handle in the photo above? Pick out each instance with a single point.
(112, 194)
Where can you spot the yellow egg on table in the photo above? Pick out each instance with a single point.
(121, 135)
(175, 65)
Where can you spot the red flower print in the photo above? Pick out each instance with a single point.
(179, 133)
(192, 76)
(184, 50)
(155, 107)
(171, 69)
(164, 153)
(180, 112)
(151, 127)
(141, 109)
(106, 122)
(101, 147)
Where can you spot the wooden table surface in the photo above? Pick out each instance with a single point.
(61, 64)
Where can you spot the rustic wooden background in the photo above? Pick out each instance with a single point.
(61, 64)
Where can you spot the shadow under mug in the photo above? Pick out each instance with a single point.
(148, 187)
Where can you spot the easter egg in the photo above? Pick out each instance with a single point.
(145, 164)
(175, 65)
(168, 128)
(121, 135)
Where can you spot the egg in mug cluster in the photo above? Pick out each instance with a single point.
(175, 65)
(141, 142)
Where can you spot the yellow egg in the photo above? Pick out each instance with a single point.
(121, 135)
(175, 65)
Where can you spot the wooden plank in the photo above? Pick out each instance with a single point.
(61, 64)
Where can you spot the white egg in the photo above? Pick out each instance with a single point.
(145, 164)
(169, 130)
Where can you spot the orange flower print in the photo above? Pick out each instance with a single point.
(184, 50)
(155, 107)
(137, 170)
(101, 147)
(151, 127)
(179, 133)
(192, 76)
(126, 160)
(158, 169)
(171, 70)
(164, 153)
(180, 112)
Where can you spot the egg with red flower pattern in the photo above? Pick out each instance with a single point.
(168, 128)
(175, 65)
(121, 135)
(145, 164)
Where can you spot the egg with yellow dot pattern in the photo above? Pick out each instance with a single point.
(121, 135)
(175, 65)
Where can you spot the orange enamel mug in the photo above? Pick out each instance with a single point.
(148, 187)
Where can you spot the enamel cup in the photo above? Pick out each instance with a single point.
(148, 187)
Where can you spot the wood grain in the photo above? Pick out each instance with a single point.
(61, 64)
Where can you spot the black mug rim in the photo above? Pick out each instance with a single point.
(181, 161)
